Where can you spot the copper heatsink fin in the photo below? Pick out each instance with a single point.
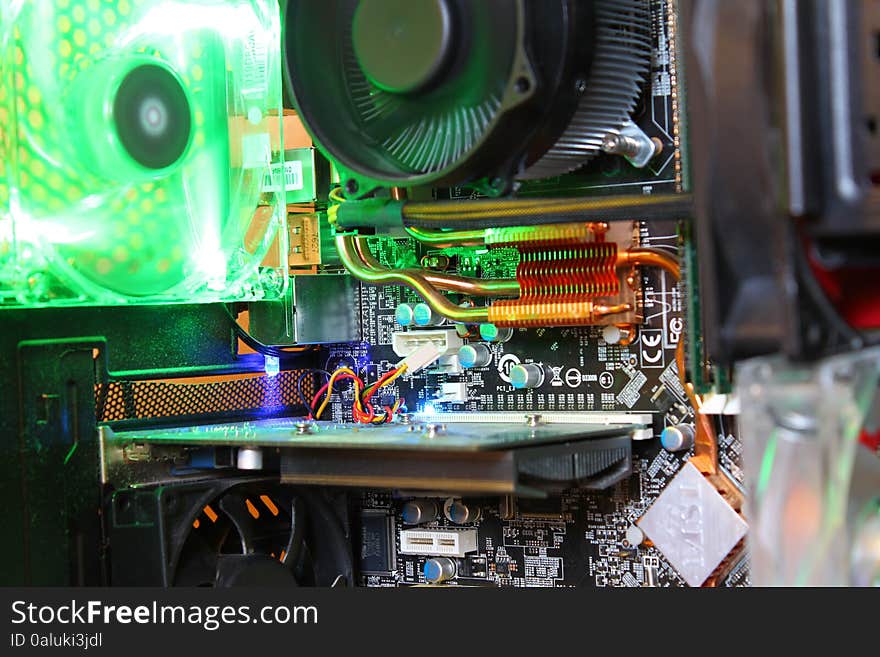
(546, 237)
(568, 276)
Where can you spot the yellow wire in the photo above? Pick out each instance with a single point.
(388, 380)
(338, 199)
(357, 396)
(341, 370)
(370, 390)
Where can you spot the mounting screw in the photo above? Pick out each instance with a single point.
(304, 427)
(434, 430)
(136, 452)
(631, 143)
(534, 419)
(405, 418)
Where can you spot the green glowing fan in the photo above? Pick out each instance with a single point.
(136, 158)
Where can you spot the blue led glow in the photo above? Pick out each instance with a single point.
(272, 365)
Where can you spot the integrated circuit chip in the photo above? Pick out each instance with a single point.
(377, 542)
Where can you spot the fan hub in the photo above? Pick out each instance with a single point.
(402, 46)
(152, 116)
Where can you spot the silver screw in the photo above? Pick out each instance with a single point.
(136, 452)
(633, 144)
(621, 145)
(303, 428)
(533, 419)
(405, 418)
(434, 430)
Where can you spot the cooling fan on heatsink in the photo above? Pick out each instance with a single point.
(261, 534)
(135, 148)
(412, 92)
(228, 532)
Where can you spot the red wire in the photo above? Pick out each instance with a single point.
(323, 389)
(373, 388)
(370, 415)
(366, 419)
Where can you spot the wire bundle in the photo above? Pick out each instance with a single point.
(362, 410)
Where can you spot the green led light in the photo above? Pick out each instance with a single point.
(135, 149)
(768, 460)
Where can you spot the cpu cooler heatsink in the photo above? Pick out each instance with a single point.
(440, 92)
(610, 92)
(137, 162)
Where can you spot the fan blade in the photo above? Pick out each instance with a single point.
(328, 542)
(252, 570)
(298, 520)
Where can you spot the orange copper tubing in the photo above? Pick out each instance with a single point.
(705, 456)
(627, 334)
(478, 287)
(357, 259)
(650, 257)
(604, 311)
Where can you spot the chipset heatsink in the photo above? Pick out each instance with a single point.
(692, 525)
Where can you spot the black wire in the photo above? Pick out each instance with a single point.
(817, 295)
(256, 345)
(299, 381)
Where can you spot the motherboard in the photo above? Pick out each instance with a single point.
(585, 372)
(578, 537)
